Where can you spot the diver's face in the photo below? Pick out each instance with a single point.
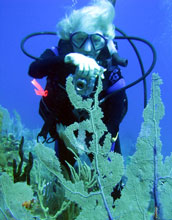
(88, 44)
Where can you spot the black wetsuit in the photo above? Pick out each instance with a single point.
(52, 66)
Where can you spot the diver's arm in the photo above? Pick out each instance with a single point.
(46, 65)
(86, 66)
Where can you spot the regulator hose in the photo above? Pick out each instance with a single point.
(123, 37)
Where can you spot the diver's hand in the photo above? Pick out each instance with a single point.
(86, 66)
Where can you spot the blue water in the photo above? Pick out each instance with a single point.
(151, 20)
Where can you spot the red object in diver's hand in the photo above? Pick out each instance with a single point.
(39, 90)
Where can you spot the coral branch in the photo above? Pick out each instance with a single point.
(97, 167)
(17, 172)
(3, 214)
(158, 208)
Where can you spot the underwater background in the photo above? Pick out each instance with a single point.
(151, 20)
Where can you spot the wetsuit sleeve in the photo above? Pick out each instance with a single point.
(46, 65)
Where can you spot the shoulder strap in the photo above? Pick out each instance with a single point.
(64, 47)
(55, 50)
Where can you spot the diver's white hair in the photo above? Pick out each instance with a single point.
(97, 16)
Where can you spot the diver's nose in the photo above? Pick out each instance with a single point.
(87, 46)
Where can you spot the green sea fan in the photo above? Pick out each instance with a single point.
(14, 195)
(107, 173)
(144, 194)
(147, 193)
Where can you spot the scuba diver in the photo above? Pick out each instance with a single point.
(86, 49)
